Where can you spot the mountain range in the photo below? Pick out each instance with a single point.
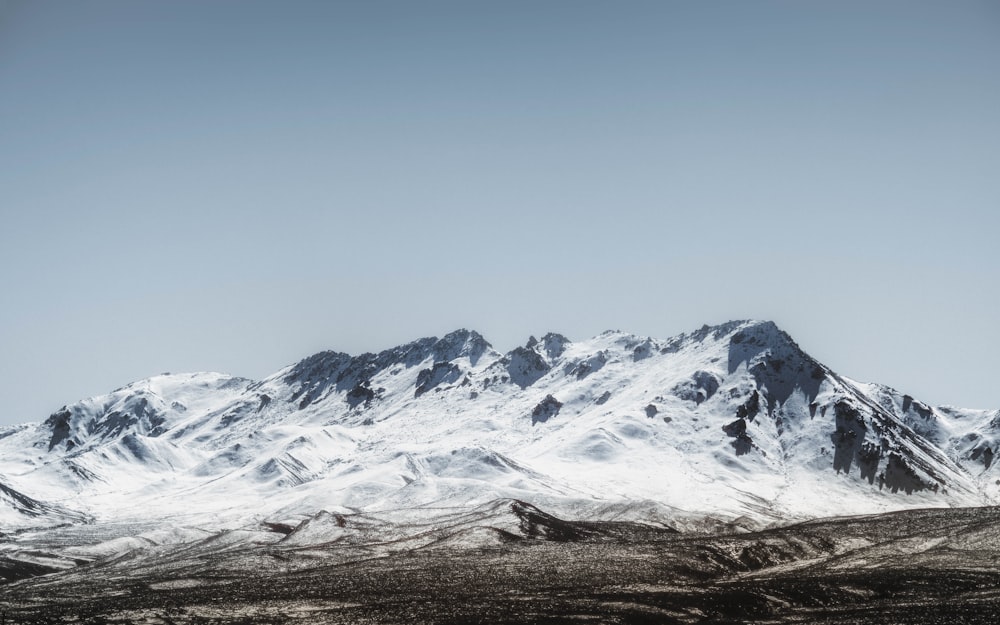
(731, 424)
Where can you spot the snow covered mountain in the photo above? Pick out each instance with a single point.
(729, 422)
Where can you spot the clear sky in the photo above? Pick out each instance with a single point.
(233, 186)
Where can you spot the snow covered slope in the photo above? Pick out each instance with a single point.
(732, 422)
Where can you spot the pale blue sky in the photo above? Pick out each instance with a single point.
(235, 185)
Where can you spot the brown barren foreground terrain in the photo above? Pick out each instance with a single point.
(920, 567)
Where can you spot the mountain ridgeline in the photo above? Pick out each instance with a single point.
(733, 421)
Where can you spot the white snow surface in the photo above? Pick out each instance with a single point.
(729, 422)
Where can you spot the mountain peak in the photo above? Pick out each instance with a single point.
(461, 343)
(777, 363)
(763, 329)
(756, 336)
